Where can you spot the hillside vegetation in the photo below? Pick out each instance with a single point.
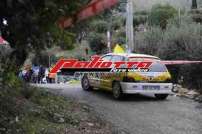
(147, 4)
(28, 110)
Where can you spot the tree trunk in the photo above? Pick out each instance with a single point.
(194, 4)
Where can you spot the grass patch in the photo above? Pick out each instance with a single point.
(29, 110)
(34, 111)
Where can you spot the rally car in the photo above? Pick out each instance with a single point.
(157, 80)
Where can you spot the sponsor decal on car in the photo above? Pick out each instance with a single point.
(96, 64)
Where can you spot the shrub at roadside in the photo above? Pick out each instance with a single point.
(179, 41)
(160, 14)
(31, 110)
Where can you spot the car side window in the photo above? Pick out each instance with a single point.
(117, 58)
(107, 58)
(158, 67)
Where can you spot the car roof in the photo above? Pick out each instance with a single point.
(131, 55)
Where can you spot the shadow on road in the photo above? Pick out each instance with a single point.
(129, 97)
(199, 106)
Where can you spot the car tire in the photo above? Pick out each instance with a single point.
(161, 96)
(86, 84)
(117, 91)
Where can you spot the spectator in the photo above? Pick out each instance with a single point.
(35, 74)
(46, 75)
(41, 74)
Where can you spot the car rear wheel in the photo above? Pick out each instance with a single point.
(85, 84)
(161, 96)
(117, 91)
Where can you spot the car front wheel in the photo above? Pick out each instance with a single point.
(117, 91)
(85, 84)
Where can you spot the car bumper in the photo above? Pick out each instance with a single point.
(156, 88)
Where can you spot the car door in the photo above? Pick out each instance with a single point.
(103, 76)
(107, 79)
(118, 76)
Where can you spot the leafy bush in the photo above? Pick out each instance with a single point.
(97, 43)
(196, 15)
(160, 14)
(27, 91)
(31, 110)
(177, 42)
(151, 41)
(140, 17)
(100, 26)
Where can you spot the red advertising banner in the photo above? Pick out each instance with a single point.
(93, 8)
(180, 62)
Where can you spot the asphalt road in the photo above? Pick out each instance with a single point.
(139, 114)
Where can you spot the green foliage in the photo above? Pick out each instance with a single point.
(140, 17)
(119, 36)
(12, 80)
(97, 42)
(27, 91)
(41, 58)
(8, 77)
(160, 14)
(97, 32)
(31, 110)
(99, 26)
(196, 15)
(32, 28)
(8, 112)
(62, 38)
(39, 17)
(118, 22)
(184, 42)
(152, 40)
(177, 42)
